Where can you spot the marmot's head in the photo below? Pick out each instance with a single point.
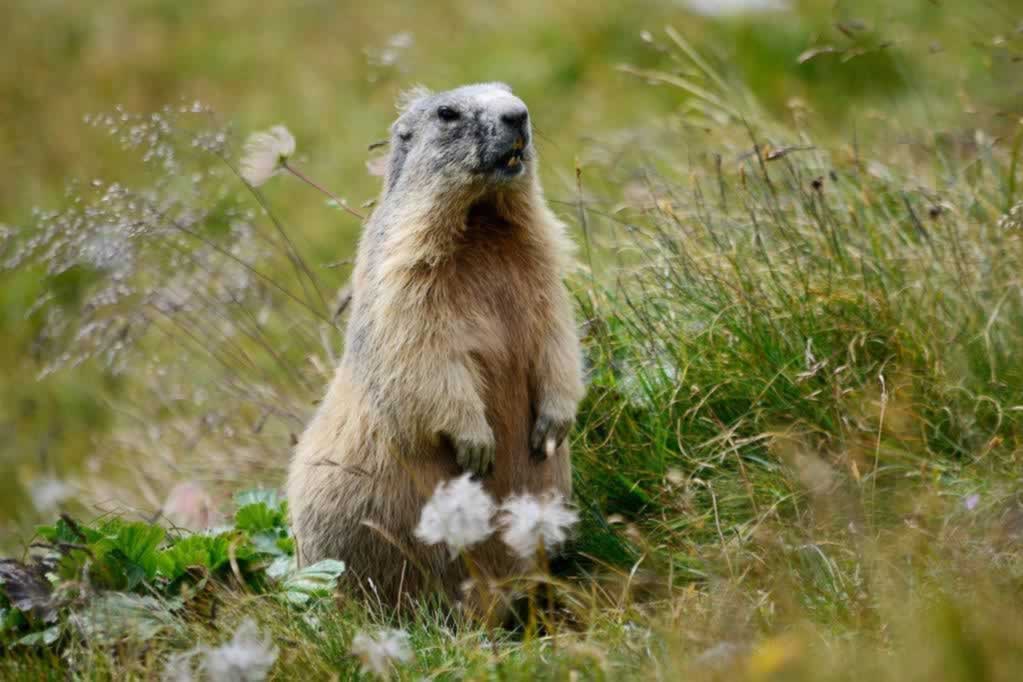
(474, 136)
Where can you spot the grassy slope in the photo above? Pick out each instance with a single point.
(803, 369)
(318, 68)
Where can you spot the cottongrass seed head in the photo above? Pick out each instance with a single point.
(265, 154)
(48, 493)
(247, 657)
(179, 668)
(526, 521)
(379, 653)
(459, 515)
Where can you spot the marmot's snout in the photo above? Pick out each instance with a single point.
(511, 140)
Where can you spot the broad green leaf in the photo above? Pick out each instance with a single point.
(267, 543)
(318, 580)
(280, 567)
(138, 543)
(259, 517)
(206, 551)
(42, 638)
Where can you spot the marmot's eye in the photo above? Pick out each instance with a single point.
(448, 114)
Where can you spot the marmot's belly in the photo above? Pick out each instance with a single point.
(357, 497)
(510, 412)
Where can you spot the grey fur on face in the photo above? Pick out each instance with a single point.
(473, 134)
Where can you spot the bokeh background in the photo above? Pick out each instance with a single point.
(590, 71)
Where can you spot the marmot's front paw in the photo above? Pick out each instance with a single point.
(548, 433)
(475, 454)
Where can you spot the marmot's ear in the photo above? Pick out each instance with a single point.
(409, 97)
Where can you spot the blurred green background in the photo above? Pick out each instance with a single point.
(331, 71)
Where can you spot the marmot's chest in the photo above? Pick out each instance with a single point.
(497, 292)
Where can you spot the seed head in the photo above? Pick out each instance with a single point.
(527, 521)
(459, 515)
(380, 652)
(265, 154)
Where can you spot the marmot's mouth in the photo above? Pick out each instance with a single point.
(510, 163)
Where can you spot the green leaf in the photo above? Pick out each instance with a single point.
(120, 554)
(104, 571)
(318, 580)
(267, 543)
(42, 638)
(286, 545)
(259, 517)
(11, 619)
(280, 567)
(262, 511)
(138, 543)
(206, 551)
(63, 532)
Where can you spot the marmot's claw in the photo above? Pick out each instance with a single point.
(548, 433)
(474, 455)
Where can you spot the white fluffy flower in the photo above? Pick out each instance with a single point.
(179, 668)
(248, 657)
(459, 515)
(380, 652)
(526, 521)
(265, 154)
(49, 493)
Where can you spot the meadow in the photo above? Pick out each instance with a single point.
(799, 232)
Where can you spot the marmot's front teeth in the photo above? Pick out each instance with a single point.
(513, 161)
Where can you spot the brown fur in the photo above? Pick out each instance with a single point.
(460, 322)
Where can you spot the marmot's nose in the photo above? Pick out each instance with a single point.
(515, 118)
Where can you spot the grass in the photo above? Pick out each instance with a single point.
(799, 454)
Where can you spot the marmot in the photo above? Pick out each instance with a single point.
(461, 351)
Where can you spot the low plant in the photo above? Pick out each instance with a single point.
(113, 579)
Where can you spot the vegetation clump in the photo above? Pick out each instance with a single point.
(799, 454)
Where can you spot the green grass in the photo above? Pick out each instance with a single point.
(799, 455)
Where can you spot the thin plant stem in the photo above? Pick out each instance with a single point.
(548, 618)
(298, 263)
(340, 202)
